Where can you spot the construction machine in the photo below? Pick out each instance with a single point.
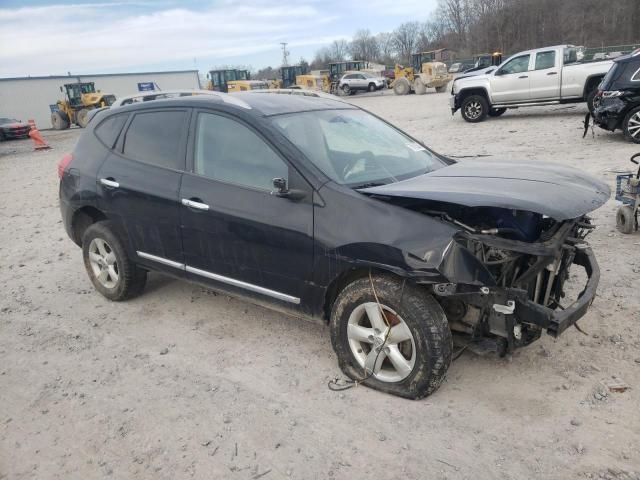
(485, 60)
(317, 82)
(233, 80)
(79, 99)
(420, 76)
(290, 73)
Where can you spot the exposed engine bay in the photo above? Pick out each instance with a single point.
(528, 257)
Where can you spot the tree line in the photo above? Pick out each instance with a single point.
(478, 26)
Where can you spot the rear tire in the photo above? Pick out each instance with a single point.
(81, 118)
(631, 125)
(590, 98)
(110, 270)
(441, 88)
(626, 219)
(59, 121)
(496, 112)
(474, 109)
(401, 86)
(411, 361)
(419, 87)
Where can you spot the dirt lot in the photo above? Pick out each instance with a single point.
(87, 389)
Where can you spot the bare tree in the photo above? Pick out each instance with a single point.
(386, 48)
(405, 38)
(364, 46)
(339, 50)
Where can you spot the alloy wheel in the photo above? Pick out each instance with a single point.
(381, 342)
(634, 125)
(103, 263)
(473, 110)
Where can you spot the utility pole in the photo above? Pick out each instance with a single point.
(285, 54)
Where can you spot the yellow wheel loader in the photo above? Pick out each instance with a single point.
(232, 80)
(80, 98)
(420, 76)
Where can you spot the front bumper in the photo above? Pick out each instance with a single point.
(454, 103)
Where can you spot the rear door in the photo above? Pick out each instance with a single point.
(545, 77)
(139, 185)
(510, 83)
(235, 232)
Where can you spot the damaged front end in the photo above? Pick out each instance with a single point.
(527, 288)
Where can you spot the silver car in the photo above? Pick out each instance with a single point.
(354, 81)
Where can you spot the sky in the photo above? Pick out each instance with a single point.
(39, 37)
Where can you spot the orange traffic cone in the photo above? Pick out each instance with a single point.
(38, 141)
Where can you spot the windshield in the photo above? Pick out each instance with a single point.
(355, 148)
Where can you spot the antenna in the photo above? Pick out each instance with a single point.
(285, 54)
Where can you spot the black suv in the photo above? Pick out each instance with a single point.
(313, 206)
(617, 103)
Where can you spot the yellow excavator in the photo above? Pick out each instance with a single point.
(79, 99)
(420, 76)
(233, 80)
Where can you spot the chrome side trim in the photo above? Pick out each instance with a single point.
(162, 260)
(245, 285)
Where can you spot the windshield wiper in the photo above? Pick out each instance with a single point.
(368, 185)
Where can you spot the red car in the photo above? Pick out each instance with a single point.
(11, 128)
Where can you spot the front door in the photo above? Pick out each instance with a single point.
(545, 76)
(235, 232)
(510, 83)
(140, 182)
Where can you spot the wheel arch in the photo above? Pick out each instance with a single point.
(590, 83)
(465, 92)
(82, 219)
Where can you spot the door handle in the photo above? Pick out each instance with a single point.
(552, 73)
(109, 182)
(523, 76)
(194, 204)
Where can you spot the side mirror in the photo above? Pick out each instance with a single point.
(281, 190)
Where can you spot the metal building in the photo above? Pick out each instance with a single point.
(28, 98)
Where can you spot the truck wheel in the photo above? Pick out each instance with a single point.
(401, 86)
(81, 118)
(405, 349)
(59, 121)
(441, 88)
(474, 108)
(496, 112)
(590, 99)
(110, 270)
(631, 125)
(626, 219)
(419, 87)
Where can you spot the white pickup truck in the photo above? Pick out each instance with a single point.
(543, 76)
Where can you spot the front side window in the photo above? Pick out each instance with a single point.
(156, 138)
(229, 151)
(545, 60)
(355, 148)
(517, 65)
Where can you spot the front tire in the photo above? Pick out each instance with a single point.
(110, 270)
(81, 117)
(474, 109)
(59, 121)
(409, 359)
(346, 90)
(371, 87)
(441, 88)
(401, 86)
(626, 219)
(631, 125)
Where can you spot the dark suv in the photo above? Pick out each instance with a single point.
(316, 207)
(617, 103)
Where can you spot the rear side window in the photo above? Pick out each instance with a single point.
(110, 128)
(545, 60)
(156, 138)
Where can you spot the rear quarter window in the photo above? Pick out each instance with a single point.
(157, 138)
(109, 129)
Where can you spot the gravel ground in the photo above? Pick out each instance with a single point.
(186, 383)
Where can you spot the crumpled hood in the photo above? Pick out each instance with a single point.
(549, 189)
